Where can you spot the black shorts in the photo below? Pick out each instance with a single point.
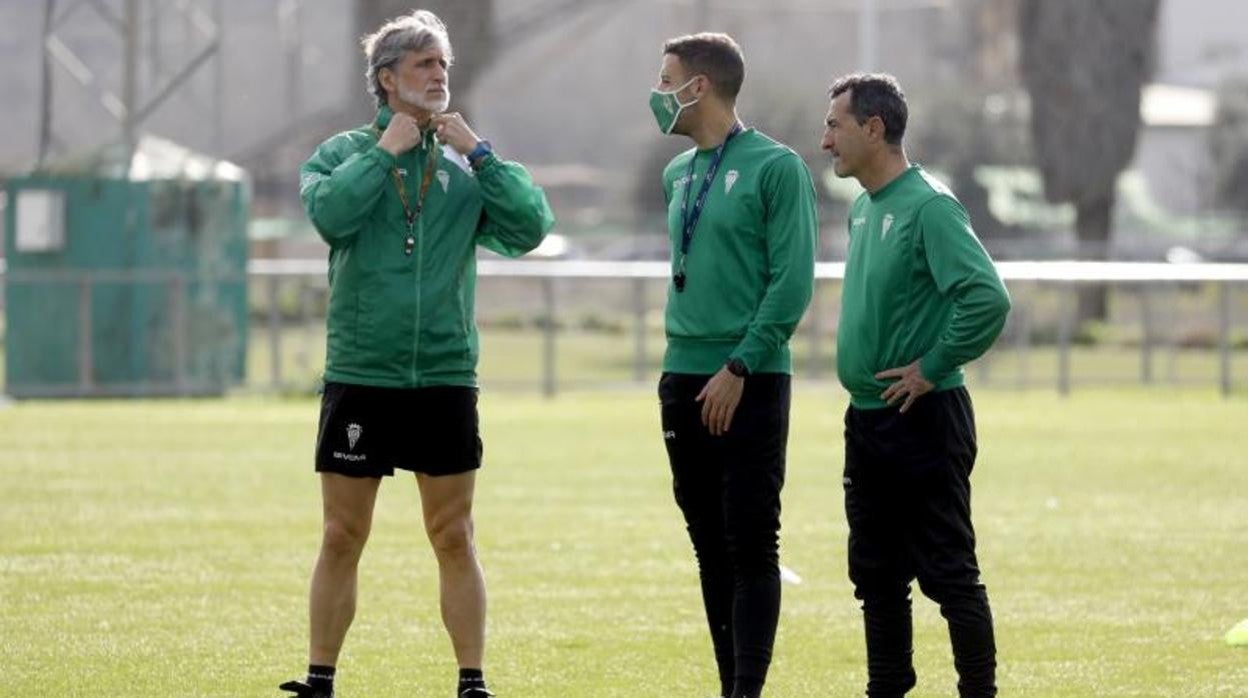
(367, 431)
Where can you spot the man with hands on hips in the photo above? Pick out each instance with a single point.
(920, 298)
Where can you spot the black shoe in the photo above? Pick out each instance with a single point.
(303, 690)
(475, 692)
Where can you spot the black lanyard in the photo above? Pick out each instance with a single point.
(409, 243)
(689, 219)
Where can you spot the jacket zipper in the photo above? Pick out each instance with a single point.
(420, 268)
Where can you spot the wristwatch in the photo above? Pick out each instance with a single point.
(479, 153)
(737, 368)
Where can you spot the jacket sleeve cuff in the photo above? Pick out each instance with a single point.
(749, 353)
(384, 158)
(934, 367)
(486, 163)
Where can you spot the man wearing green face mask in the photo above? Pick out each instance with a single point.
(741, 217)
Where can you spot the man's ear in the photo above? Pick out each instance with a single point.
(385, 76)
(705, 82)
(876, 128)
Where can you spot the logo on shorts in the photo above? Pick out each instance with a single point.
(669, 435)
(353, 434)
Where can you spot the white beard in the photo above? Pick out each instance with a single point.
(417, 99)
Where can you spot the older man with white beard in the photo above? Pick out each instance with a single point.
(402, 216)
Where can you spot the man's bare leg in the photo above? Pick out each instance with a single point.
(447, 505)
(348, 517)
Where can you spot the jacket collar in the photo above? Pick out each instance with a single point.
(385, 114)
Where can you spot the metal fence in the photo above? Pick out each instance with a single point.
(101, 333)
(554, 325)
(1194, 309)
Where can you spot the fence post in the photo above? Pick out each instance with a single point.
(1174, 297)
(549, 380)
(639, 329)
(86, 357)
(303, 360)
(815, 312)
(177, 288)
(275, 334)
(983, 366)
(1065, 329)
(1224, 336)
(1146, 340)
(1022, 344)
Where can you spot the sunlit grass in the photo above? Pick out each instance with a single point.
(162, 548)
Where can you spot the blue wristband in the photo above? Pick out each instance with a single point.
(479, 153)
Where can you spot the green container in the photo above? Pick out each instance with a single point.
(126, 281)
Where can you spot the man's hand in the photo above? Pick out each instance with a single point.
(719, 399)
(401, 135)
(910, 385)
(453, 131)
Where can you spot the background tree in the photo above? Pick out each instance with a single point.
(1228, 144)
(1083, 64)
(971, 117)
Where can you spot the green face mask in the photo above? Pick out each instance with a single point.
(667, 107)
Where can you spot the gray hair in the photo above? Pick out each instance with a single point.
(419, 31)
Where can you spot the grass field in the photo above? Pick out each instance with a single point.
(162, 548)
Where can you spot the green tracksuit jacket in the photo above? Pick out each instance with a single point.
(918, 286)
(400, 320)
(751, 263)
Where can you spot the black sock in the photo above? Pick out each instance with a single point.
(747, 688)
(471, 678)
(321, 678)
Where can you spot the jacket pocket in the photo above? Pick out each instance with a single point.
(355, 322)
(343, 325)
(368, 347)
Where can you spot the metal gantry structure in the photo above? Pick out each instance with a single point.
(136, 101)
